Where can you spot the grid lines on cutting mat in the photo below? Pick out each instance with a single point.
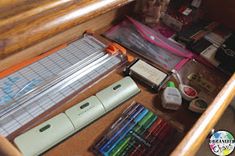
(37, 73)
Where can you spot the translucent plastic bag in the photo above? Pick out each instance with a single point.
(149, 44)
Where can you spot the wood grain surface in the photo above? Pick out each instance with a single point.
(34, 29)
(11, 15)
(196, 136)
(61, 38)
(18, 36)
(7, 149)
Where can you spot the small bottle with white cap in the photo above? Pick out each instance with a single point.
(171, 97)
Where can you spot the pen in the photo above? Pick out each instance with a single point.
(137, 130)
(164, 143)
(157, 126)
(159, 132)
(159, 139)
(130, 112)
(156, 140)
(121, 134)
(136, 117)
(139, 138)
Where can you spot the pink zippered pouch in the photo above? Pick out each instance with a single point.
(149, 44)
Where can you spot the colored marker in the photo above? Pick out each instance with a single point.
(157, 126)
(137, 130)
(140, 137)
(154, 127)
(117, 127)
(129, 113)
(124, 130)
(143, 151)
(164, 142)
(158, 138)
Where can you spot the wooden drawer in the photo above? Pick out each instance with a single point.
(30, 28)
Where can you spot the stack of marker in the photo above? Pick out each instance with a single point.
(137, 132)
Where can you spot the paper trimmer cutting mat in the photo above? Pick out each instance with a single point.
(34, 89)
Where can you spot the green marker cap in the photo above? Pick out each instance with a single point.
(170, 84)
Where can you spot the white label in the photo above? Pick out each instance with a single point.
(215, 38)
(148, 72)
(209, 54)
(187, 11)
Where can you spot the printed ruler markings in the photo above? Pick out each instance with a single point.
(61, 60)
(50, 66)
